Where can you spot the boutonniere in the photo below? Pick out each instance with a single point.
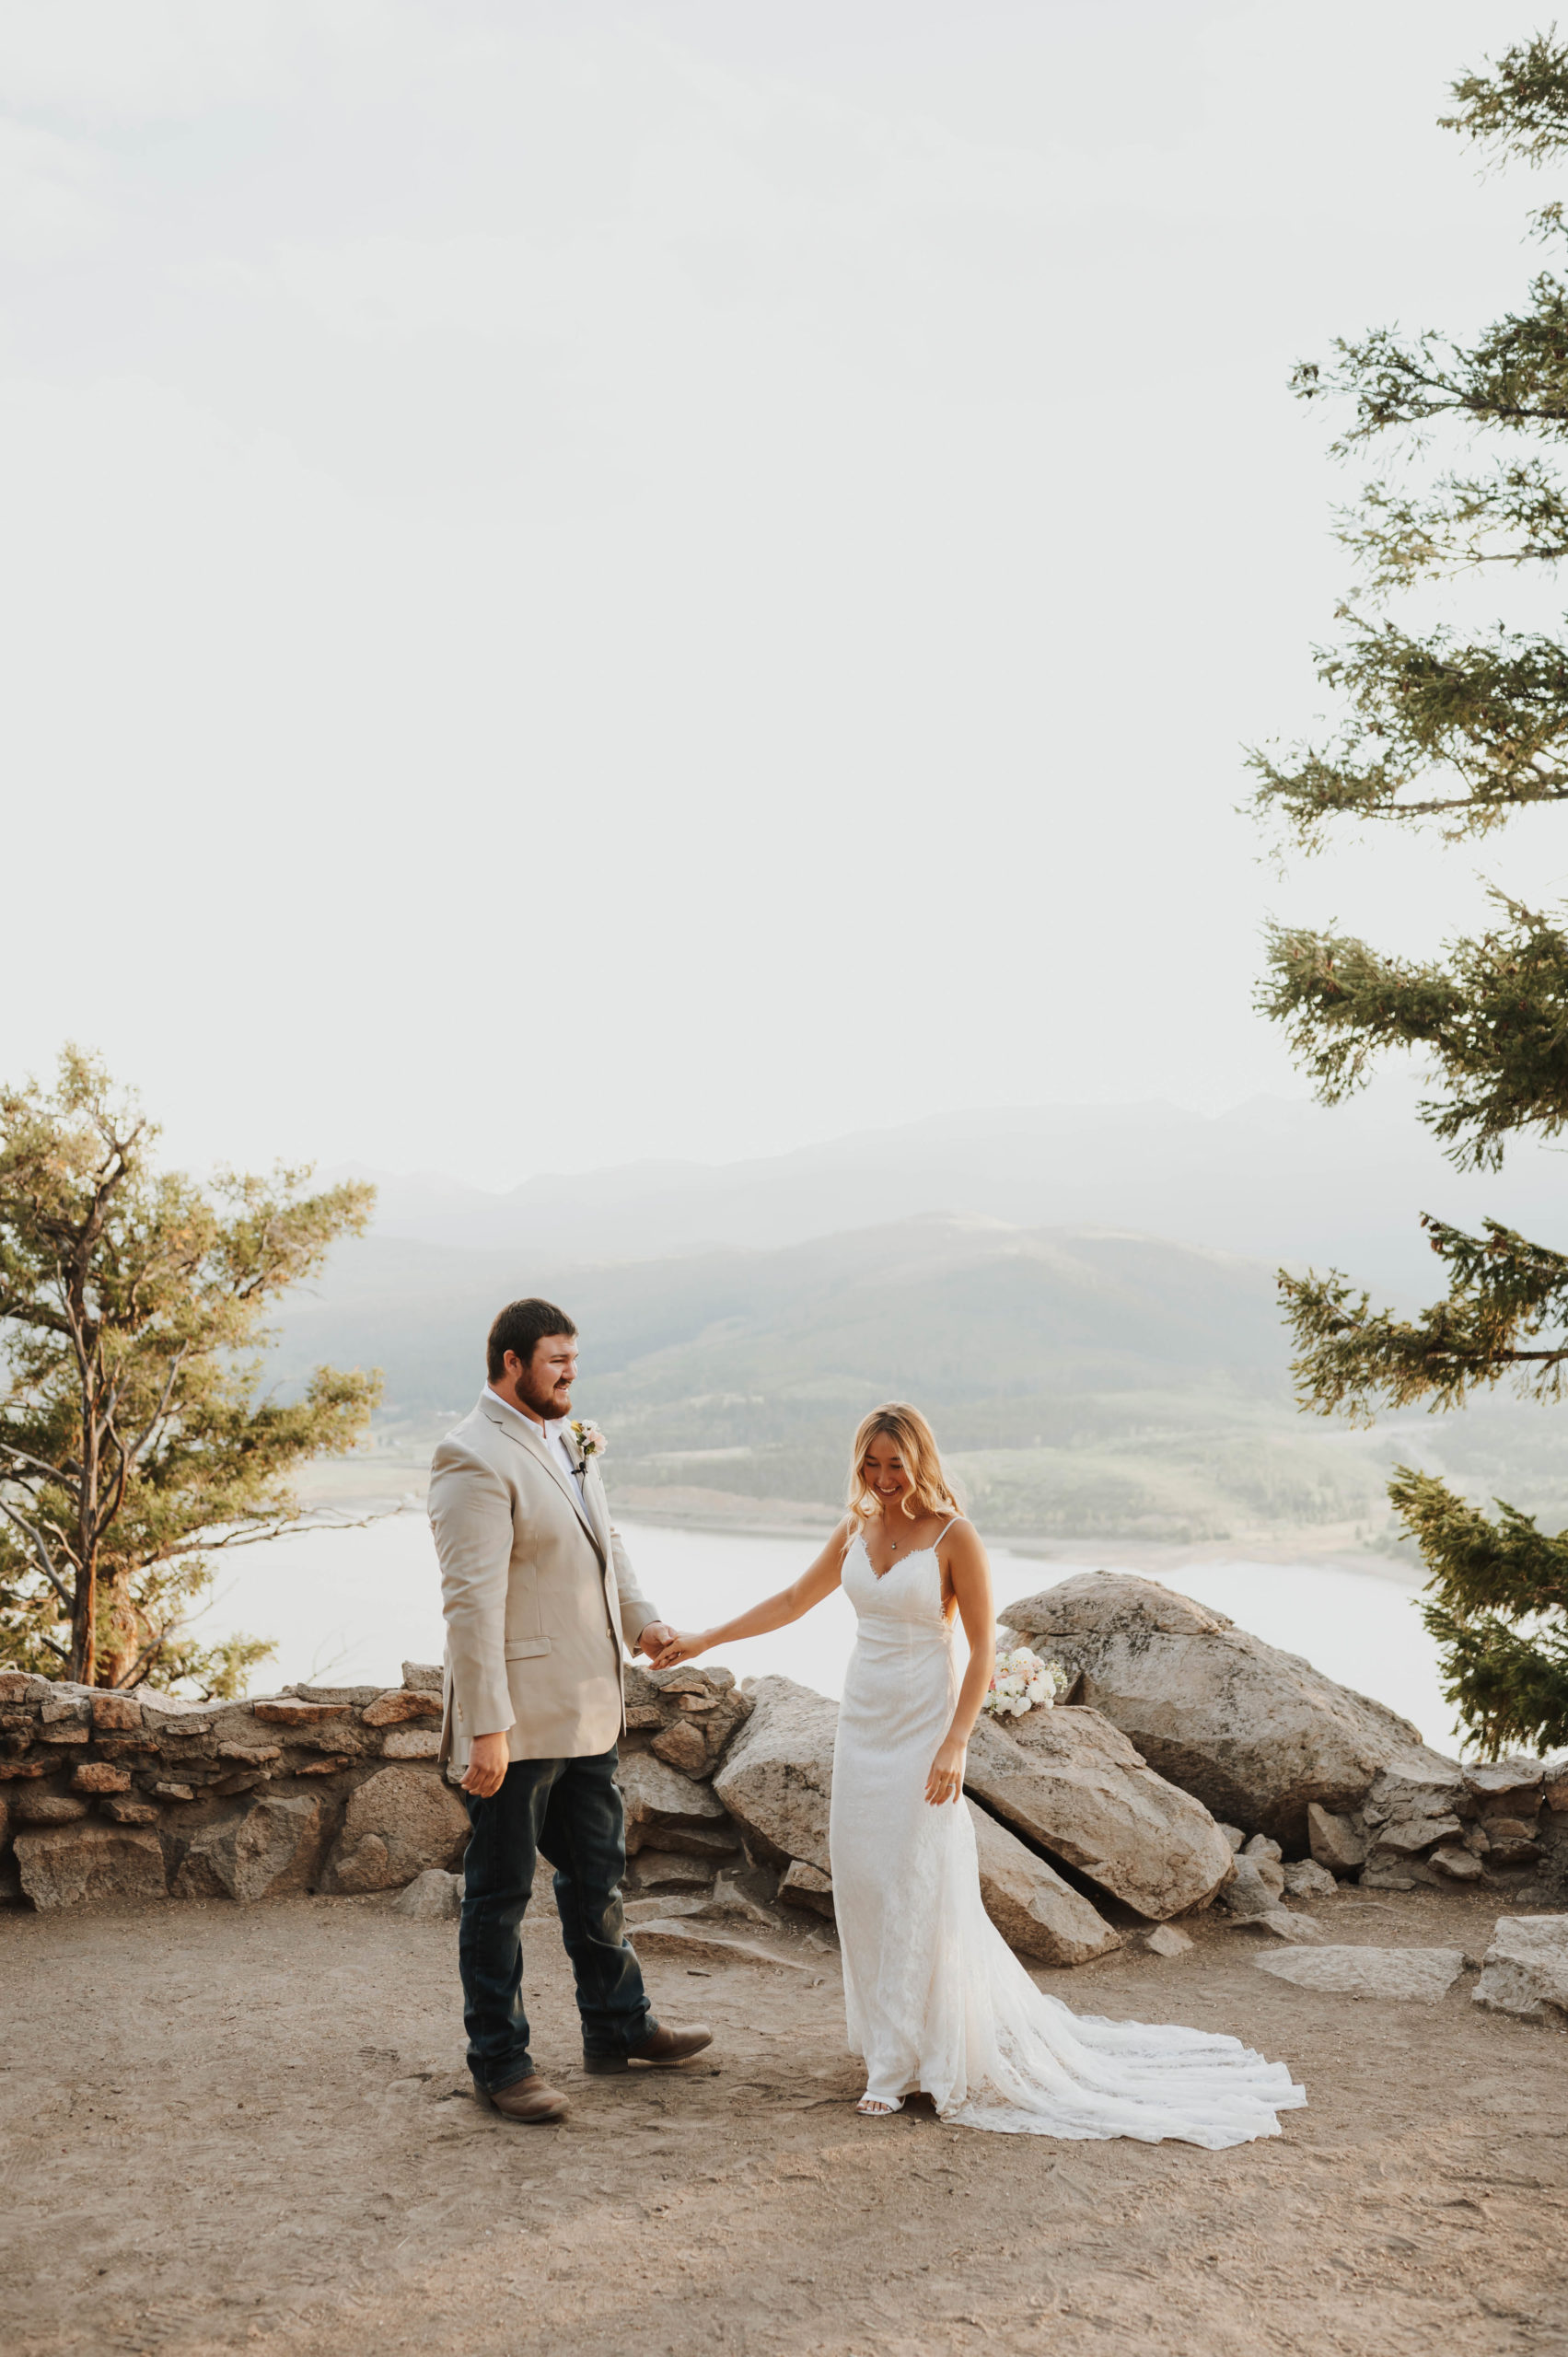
(591, 1440)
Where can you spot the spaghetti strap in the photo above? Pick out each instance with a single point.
(942, 1534)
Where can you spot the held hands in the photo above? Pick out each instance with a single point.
(655, 1637)
(945, 1781)
(678, 1646)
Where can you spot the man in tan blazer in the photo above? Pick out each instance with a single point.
(541, 1602)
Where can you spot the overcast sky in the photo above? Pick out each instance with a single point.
(582, 583)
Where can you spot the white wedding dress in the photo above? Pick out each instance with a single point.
(936, 1999)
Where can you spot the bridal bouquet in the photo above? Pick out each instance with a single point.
(1021, 1682)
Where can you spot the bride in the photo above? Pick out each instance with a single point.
(936, 2001)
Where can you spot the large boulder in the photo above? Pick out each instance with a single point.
(1031, 1905)
(1073, 1783)
(270, 1850)
(669, 1811)
(777, 1780)
(399, 1822)
(1525, 1971)
(1256, 1735)
(777, 1776)
(89, 1865)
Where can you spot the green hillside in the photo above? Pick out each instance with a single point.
(1084, 1382)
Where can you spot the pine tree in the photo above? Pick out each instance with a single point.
(136, 1442)
(1458, 732)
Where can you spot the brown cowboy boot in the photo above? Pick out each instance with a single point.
(664, 2050)
(532, 2100)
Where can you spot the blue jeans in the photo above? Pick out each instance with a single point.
(569, 1812)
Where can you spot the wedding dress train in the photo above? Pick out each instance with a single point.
(936, 1999)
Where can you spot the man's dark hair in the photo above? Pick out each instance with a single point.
(519, 1327)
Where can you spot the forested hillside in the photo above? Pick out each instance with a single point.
(1085, 1381)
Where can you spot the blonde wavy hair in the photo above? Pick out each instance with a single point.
(916, 1443)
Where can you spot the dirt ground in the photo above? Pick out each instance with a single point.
(225, 2127)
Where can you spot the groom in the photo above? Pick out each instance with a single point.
(539, 1599)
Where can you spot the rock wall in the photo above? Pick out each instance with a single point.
(106, 1797)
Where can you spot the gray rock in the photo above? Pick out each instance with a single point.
(399, 1822)
(1261, 1847)
(46, 1808)
(740, 1897)
(1336, 1842)
(1166, 1940)
(803, 1885)
(1422, 1975)
(659, 1869)
(399, 1704)
(1283, 1925)
(1247, 1894)
(1304, 1878)
(411, 1742)
(1408, 1838)
(89, 1865)
(667, 1808)
(1509, 1780)
(1073, 1783)
(1271, 1875)
(1457, 1864)
(1258, 1734)
(1033, 1908)
(1525, 1971)
(1234, 1836)
(269, 1850)
(683, 1747)
(434, 1896)
(777, 1775)
(424, 1677)
(126, 1811)
(679, 1936)
(666, 1910)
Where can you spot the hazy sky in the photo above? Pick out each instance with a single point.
(582, 583)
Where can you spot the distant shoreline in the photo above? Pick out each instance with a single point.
(781, 1518)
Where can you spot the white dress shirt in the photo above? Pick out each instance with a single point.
(552, 1430)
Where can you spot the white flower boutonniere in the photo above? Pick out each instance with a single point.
(591, 1440)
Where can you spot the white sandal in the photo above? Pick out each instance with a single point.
(873, 2108)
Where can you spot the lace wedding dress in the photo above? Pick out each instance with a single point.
(934, 1997)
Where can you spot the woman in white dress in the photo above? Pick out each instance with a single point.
(936, 2001)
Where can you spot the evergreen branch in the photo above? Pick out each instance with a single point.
(1502, 1293)
(1495, 1019)
(1518, 515)
(1521, 108)
(1494, 713)
(1515, 376)
(1509, 1682)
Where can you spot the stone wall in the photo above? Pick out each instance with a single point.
(333, 1788)
(106, 1797)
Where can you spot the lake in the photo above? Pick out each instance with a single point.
(349, 1605)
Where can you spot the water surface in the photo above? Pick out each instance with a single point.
(350, 1605)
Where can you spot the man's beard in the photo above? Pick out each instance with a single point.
(545, 1404)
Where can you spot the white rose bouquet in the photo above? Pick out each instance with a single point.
(1021, 1682)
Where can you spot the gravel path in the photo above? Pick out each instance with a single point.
(225, 2127)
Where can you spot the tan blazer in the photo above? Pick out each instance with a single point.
(537, 1590)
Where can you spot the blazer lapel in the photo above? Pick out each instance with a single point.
(525, 1436)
